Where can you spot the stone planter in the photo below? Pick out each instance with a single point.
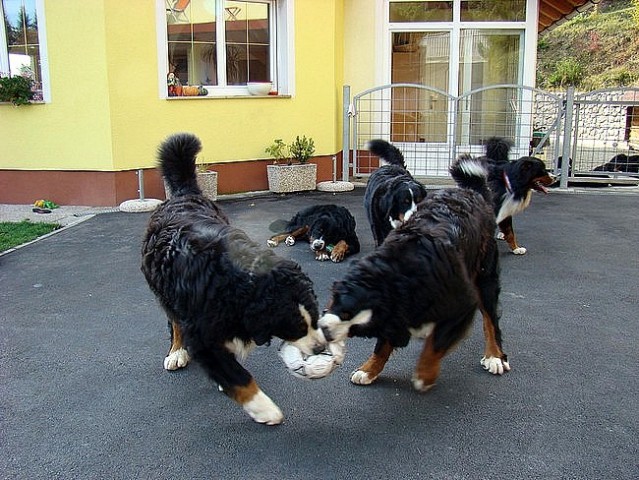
(292, 178)
(207, 182)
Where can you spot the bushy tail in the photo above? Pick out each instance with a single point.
(177, 162)
(471, 173)
(387, 152)
(498, 148)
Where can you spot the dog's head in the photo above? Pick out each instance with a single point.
(324, 231)
(401, 202)
(530, 173)
(295, 314)
(345, 311)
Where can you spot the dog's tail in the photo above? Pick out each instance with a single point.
(471, 173)
(498, 148)
(177, 162)
(387, 152)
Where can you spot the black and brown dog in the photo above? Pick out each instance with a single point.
(222, 293)
(329, 229)
(392, 194)
(426, 280)
(512, 183)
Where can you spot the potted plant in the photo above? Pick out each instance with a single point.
(206, 179)
(17, 89)
(296, 174)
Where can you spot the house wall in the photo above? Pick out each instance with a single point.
(105, 114)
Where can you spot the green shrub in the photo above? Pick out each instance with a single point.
(17, 89)
(565, 73)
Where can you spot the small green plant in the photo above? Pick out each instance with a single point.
(566, 72)
(278, 150)
(302, 149)
(17, 89)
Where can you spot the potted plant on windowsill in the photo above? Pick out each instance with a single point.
(296, 174)
(17, 89)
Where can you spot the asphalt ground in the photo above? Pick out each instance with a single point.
(84, 395)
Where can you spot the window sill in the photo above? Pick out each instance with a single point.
(225, 97)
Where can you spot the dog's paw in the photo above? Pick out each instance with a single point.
(263, 410)
(421, 386)
(178, 359)
(500, 236)
(495, 365)
(519, 251)
(322, 256)
(271, 243)
(290, 241)
(360, 377)
(337, 257)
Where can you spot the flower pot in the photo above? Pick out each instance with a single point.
(207, 182)
(291, 178)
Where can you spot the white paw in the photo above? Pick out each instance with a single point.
(359, 377)
(495, 365)
(290, 241)
(420, 386)
(500, 236)
(263, 410)
(178, 359)
(271, 243)
(322, 257)
(519, 251)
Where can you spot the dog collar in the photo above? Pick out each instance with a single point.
(507, 182)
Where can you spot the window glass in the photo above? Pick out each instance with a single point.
(22, 53)
(428, 11)
(200, 54)
(493, 10)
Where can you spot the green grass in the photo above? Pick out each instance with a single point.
(13, 234)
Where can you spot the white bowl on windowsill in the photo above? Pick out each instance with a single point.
(259, 88)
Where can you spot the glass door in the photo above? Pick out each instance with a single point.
(488, 58)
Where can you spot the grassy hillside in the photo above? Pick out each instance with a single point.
(597, 49)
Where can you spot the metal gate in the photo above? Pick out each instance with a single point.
(432, 127)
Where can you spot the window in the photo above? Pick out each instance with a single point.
(21, 31)
(223, 44)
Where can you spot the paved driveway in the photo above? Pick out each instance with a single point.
(84, 394)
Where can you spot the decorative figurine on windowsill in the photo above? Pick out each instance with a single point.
(173, 84)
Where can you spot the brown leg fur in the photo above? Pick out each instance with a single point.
(506, 227)
(428, 366)
(280, 237)
(370, 370)
(339, 251)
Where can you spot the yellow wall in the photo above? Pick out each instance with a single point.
(105, 112)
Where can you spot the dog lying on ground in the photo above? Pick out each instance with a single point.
(426, 280)
(620, 163)
(392, 194)
(329, 229)
(222, 293)
(512, 184)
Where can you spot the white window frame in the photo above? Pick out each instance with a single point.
(42, 45)
(282, 59)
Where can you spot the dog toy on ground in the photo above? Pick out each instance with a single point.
(312, 366)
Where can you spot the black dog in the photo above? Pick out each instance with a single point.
(392, 194)
(329, 229)
(512, 184)
(426, 280)
(222, 293)
(620, 163)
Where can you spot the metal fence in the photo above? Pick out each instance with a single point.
(598, 131)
